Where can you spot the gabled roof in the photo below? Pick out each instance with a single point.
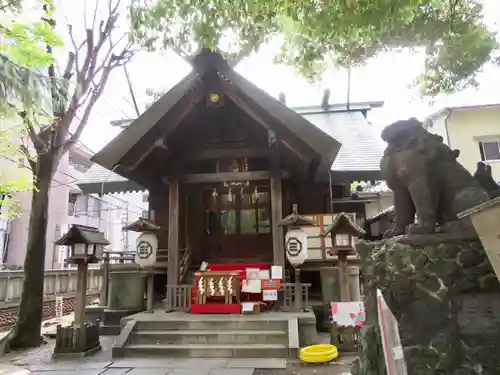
(359, 156)
(323, 144)
(110, 155)
(82, 234)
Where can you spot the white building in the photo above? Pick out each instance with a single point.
(68, 205)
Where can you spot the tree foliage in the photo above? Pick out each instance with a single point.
(23, 52)
(315, 34)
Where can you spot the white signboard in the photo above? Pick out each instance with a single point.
(145, 250)
(348, 314)
(270, 295)
(296, 246)
(391, 342)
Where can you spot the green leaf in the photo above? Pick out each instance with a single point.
(321, 32)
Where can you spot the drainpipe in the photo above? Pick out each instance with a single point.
(102, 193)
(450, 111)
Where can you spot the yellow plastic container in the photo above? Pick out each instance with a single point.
(318, 353)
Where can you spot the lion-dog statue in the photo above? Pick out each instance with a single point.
(426, 180)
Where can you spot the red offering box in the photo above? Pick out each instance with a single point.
(221, 308)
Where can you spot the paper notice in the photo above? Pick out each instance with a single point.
(277, 272)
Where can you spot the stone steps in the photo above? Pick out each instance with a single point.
(207, 350)
(212, 325)
(210, 337)
(204, 336)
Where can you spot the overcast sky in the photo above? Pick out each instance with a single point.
(386, 78)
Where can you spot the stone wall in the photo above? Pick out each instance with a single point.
(446, 298)
(8, 315)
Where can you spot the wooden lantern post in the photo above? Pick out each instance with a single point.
(86, 244)
(145, 256)
(296, 248)
(343, 232)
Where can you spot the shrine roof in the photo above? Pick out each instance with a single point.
(362, 148)
(236, 87)
(358, 158)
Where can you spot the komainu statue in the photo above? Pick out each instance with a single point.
(426, 180)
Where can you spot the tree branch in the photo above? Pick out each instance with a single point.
(94, 96)
(24, 150)
(38, 143)
(89, 70)
(93, 77)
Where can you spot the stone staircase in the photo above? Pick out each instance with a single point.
(202, 336)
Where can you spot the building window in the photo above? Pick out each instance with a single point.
(342, 240)
(228, 222)
(489, 150)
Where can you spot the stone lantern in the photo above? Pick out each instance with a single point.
(344, 231)
(145, 255)
(86, 244)
(296, 248)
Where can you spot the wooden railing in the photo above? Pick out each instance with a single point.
(184, 263)
(289, 300)
(56, 283)
(178, 297)
(118, 257)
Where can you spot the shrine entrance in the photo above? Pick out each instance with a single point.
(237, 224)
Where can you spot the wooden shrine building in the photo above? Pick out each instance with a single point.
(224, 162)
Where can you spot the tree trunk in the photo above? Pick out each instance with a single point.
(27, 331)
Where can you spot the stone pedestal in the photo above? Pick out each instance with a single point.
(307, 330)
(446, 298)
(330, 290)
(126, 288)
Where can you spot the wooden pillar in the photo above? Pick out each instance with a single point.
(150, 292)
(355, 283)
(81, 293)
(105, 281)
(173, 232)
(344, 278)
(276, 216)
